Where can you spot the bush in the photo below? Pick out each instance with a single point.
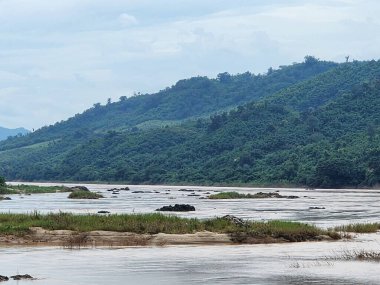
(84, 195)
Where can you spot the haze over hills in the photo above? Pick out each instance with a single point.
(315, 123)
(5, 132)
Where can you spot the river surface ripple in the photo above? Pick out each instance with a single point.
(295, 263)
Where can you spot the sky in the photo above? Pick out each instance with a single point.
(59, 57)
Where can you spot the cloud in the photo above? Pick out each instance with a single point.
(59, 57)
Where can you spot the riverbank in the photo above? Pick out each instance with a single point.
(149, 229)
(248, 186)
(31, 189)
(73, 239)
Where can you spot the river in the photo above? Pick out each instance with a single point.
(294, 263)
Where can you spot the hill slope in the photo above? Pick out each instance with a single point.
(187, 99)
(321, 132)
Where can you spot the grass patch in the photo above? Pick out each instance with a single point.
(19, 224)
(359, 228)
(229, 195)
(31, 189)
(259, 195)
(5, 190)
(84, 195)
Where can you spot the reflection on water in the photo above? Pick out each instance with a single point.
(296, 264)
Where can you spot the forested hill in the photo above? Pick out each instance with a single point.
(320, 132)
(189, 98)
(5, 132)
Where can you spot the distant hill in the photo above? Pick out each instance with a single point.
(321, 131)
(5, 133)
(187, 99)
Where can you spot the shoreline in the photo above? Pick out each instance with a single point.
(72, 239)
(215, 185)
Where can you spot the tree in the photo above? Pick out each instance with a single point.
(2, 181)
(311, 60)
(224, 77)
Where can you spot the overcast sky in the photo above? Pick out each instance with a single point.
(59, 57)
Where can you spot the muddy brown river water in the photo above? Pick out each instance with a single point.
(295, 263)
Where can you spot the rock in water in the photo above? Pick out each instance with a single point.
(3, 278)
(5, 198)
(291, 197)
(22, 277)
(79, 188)
(177, 208)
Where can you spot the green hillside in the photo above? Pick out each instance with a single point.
(187, 99)
(323, 131)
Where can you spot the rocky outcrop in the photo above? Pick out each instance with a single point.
(118, 189)
(234, 220)
(22, 277)
(5, 198)
(177, 208)
(17, 277)
(79, 188)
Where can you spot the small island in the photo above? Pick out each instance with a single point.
(6, 189)
(259, 195)
(76, 192)
(150, 229)
(84, 195)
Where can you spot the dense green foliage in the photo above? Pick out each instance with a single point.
(320, 132)
(84, 195)
(19, 224)
(187, 99)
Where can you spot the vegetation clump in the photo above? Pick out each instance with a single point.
(359, 228)
(84, 195)
(259, 195)
(29, 189)
(19, 224)
(34, 189)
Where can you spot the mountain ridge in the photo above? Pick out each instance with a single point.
(6, 132)
(187, 99)
(323, 131)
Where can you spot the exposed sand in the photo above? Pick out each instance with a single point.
(39, 236)
(67, 238)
